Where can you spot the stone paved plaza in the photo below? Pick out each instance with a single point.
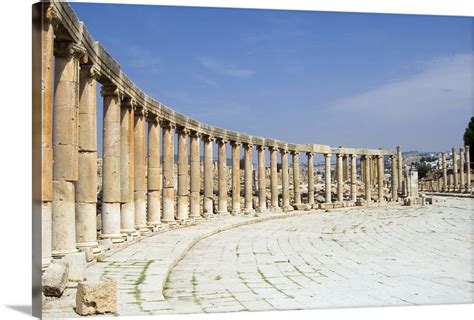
(351, 257)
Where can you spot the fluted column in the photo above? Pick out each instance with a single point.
(262, 193)
(168, 202)
(195, 178)
(86, 185)
(340, 180)
(274, 206)
(468, 169)
(235, 177)
(47, 58)
(367, 164)
(222, 182)
(285, 181)
(327, 176)
(380, 176)
(208, 202)
(455, 170)
(394, 178)
(140, 170)
(127, 210)
(111, 195)
(154, 174)
(461, 170)
(310, 160)
(400, 167)
(65, 147)
(353, 178)
(183, 177)
(296, 177)
(444, 172)
(248, 175)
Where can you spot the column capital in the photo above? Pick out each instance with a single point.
(294, 152)
(284, 151)
(207, 138)
(327, 155)
(310, 153)
(51, 14)
(140, 110)
(220, 140)
(339, 155)
(260, 147)
(182, 130)
(90, 71)
(167, 124)
(248, 145)
(71, 49)
(129, 102)
(236, 143)
(109, 90)
(153, 118)
(461, 149)
(195, 134)
(272, 148)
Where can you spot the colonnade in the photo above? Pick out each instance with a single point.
(141, 190)
(453, 178)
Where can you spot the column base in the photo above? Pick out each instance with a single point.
(57, 254)
(274, 208)
(45, 262)
(116, 238)
(127, 232)
(287, 208)
(223, 213)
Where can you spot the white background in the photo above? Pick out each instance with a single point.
(15, 151)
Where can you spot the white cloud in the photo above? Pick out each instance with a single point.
(427, 110)
(225, 69)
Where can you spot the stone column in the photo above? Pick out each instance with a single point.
(111, 195)
(327, 176)
(444, 172)
(340, 180)
(140, 187)
(248, 172)
(296, 177)
(461, 170)
(368, 195)
(154, 173)
(400, 167)
(353, 178)
(235, 177)
(345, 167)
(183, 178)
(65, 147)
(127, 211)
(222, 173)
(310, 160)
(285, 181)
(468, 169)
(168, 173)
(86, 185)
(394, 178)
(208, 202)
(195, 179)
(262, 193)
(451, 182)
(380, 176)
(47, 58)
(455, 170)
(274, 206)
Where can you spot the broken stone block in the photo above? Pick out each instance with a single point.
(55, 278)
(96, 297)
(77, 265)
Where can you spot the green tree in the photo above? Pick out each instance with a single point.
(469, 138)
(423, 169)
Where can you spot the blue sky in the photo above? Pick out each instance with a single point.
(343, 79)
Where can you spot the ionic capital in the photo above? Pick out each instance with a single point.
(110, 90)
(284, 151)
(294, 152)
(195, 134)
(236, 143)
(166, 124)
(50, 14)
(260, 148)
(71, 49)
(129, 102)
(90, 71)
(208, 138)
(140, 110)
(182, 130)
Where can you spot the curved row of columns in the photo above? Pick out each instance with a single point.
(458, 179)
(139, 190)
